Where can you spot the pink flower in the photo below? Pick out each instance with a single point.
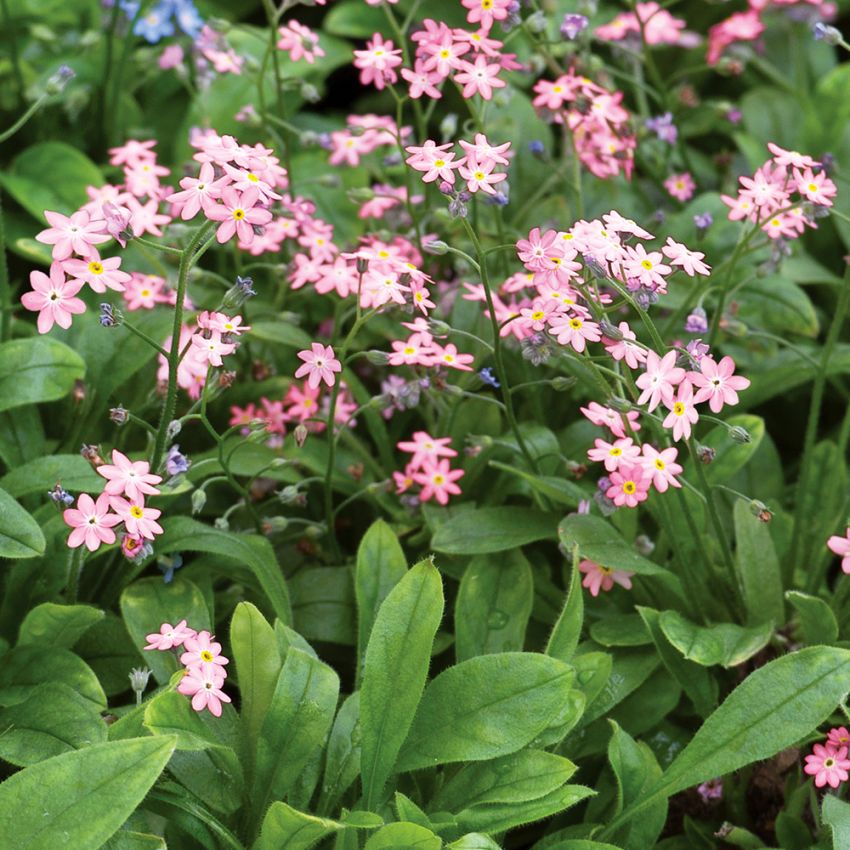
(629, 485)
(300, 42)
(485, 12)
(97, 273)
(790, 158)
(169, 636)
(657, 382)
(479, 78)
(626, 348)
(838, 737)
(680, 186)
(198, 192)
(575, 331)
(682, 413)
(210, 350)
(716, 384)
(648, 268)
(611, 418)
(661, 466)
(451, 357)
(91, 522)
(138, 519)
(171, 57)
(436, 161)
(828, 765)
(74, 235)
(203, 651)
(613, 454)
(205, 689)
(319, 365)
(480, 175)
(377, 61)
(438, 481)
(597, 577)
(54, 298)
(237, 214)
(691, 262)
(817, 188)
(422, 81)
(841, 547)
(427, 449)
(124, 476)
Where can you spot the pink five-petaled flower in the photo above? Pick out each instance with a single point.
(97, 273)
(204, 686)
(319, 365)
(169, 636)
(716, 383)
(610, 418)
(200, 191)
(575, 331)
(299, 41)
(137, 518)
(691, 262)
(74, 235)
(614, 454)
(597, 577)
(657, 382)
(828, 765)
(480, 176)
(377, 61)
(680, 186)
(480, 77)
(426, 448)
(238, 214)
(661, 466)
(203, 651)
(838, 737)
(91, 522)
(841, 547)
(53, 297)
(438, 481)
(132, 478)
(485, 12)
(682, 413)
(629, 485)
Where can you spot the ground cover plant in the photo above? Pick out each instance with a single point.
(424, 424)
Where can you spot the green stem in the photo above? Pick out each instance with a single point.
(158, 246)
(7, 134)
(142, 335)
(5, 286)
(78, 560)
(13, 50)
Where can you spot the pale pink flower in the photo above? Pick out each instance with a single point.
(717, 384)
(657, 382)
(137, 518)
(422, 81)
(203, 651)
(448, 355)
(198, 192)
(611, 419)
(481, 149)
(133, 153)
(629, 485)
(124, 476)
(841, 547)
(575, 331)
(74, 235)
(626, 348)
(435, 161)
(438, 481)
(300, 42)
(691, 262)
(91, 522)
(838, 737)
(319, 365)
(481, 175)
(480, 77)
(377, 61)
(682, 413)
(97, 273)
(53, 298)
(426, 449)
(646, 267)
(205, 689)
(486, 12)
(171, 57)
(790, 158)
(210, 350)
(680, 186)
(169, 637)
(597, 577)
(828, 765)
(237, 214)
(661, 466)
(614, 454)
(817, 188)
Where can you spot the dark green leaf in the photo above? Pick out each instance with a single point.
(20, 535)
(566, 632)
(486, 530)
(58, 625)
(759, 574)
(725, 644)
(599, 541)
(816, 618)
(36, 370)
(72, 471)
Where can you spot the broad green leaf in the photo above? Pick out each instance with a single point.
(53, 719)
(323, 606)
(473, 841)
(498, 817)
(126, 839)
(342, 764)
(407, 810)
(566, 632)
(631, 668)
(816, 618)
(732, 456)
(493, 605)
(381, 564)
(85, 795)
(593, 671)
(36, 370)
(148, 603)
(779, 306)
(759, 573)
(183, 534)
(21, 436)
(170, 713)
(58, 625)
(20, 535)
(725, 644)
(285, 827)
(836, 814)
(561, 491)
(281, 333)
(517, 778)
(108, 649)
(485, 530)
(581, 844)
(620, 630)
(350, 20)
(773, 708)
(486, 707)
(394, 672)
(599, 541)
(404, 836)
(296, 724)
(73, 472)
(25, 668)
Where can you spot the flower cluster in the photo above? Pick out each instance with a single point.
(299, 42)
(478, 166)
(828, 762)
(600, 126)
(648, 23)
(429, 468)
(841, 547)
(782, 197)
(363, 135)
(204, 665)
(421, 349)
(158, 21)
(122, 501)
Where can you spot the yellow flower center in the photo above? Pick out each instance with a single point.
(659, 464)
(647, 264)
(206, 655)
(678, 408)
(537, 315)
(813, 187)
(439, 163)
(238, 214)
(479, 175)
(409, 350)
(252, 177)
(136, 512)
(95, 267)
(486, 4)
(615, 452)
(439, 480)
(575, 324)
(629, 487)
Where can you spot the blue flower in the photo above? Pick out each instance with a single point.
(188, 18)
(486, 374)
(155, 24)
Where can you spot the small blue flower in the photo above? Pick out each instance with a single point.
(703, 221)
(188, 18)
(155, 24)
(168, 564)
(175, 462)
(536, 147)
(486, 374)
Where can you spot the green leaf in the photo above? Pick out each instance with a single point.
(493, 605)
(58, 625)
(566, 632)
(725, 644)
(778, 305)
(148, 603)
(632, 667)
(473, 841)
(394, 672)
(73, 472)
(816, 618)
(581, 844)
(296, 724)
(342, 764)
(323, 604)
(599, 541)
(281, 333)
(381, 564)
(593, 671)
(758, 569)
(83, 795)
(836, 814)
(620, 630)
(20, 535)
(517, 778)
(21, 436)
(561, 491)
(773, 708)
(351, 20)
(485, 530)
(36, 370)
(183, 534)
(126, 839)
(486, 707)
(25, 668)
(732, 456)
(286, 827)
(53, 719)
(404, 836)
(170, 713)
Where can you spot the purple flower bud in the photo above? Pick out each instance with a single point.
(702, 221)
(175, 462)
(663, 127)
(573, 25)
(697, 322)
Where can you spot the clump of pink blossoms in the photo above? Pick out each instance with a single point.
(429, 468)
(828, 762)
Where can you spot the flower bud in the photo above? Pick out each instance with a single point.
(536, 22)
(275, 524)
(300, 434)
(199, 499)
(644, 545)
(436, 247)
(139, 681)
(453, 390)
(57, 81)
(621, 404)
(739, 435)
(563, 383)
(827, 34)
(448, 126)
(310, 93)
(329, 181)
(222, 524)
(706, 454)
(359, 194)
(239, 293)
(377, 358)
(439, 327)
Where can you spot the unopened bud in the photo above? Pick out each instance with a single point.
(310, 93)
(329, 181)
(827, 34)
(139, 681)
(644, 545)
(57, 82)
(362, 265)
(300, 434)
(288, 495)
(199, 499)
(453, 390)
(739, 435)
(610, 331)
(448, 126)
(436, 247)
(562, 384)
(761, 510)
(359, 194)
(275, 524)
(439, 327)
(220, 25)
(706, 454)
(536, 22)
(621, 404)
(222, 524)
